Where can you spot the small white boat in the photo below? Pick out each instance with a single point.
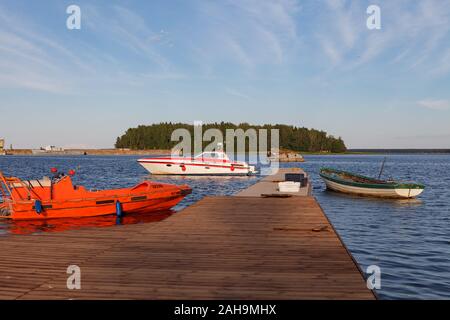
(206, 163)
(346, 182)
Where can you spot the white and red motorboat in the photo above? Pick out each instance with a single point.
(206, 163)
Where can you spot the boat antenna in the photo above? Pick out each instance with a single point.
(382, 168)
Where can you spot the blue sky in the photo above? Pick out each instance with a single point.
(307, 63)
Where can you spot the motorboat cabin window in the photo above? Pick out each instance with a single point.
(213, 155)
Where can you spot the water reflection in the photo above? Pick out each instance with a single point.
(382, 201)
(65, 224)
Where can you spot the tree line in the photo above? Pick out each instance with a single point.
(158, 136)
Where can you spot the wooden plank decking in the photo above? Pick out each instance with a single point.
(269, 185)
(218, 248)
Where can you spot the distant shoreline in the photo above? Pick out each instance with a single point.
(150, 152)
(379, 152)
(400, 151)
(95, 152)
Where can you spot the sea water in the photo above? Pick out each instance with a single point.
(408, 239)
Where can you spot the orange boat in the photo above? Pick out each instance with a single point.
(57, 197)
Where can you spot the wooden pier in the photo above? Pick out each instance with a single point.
(242, 247)
(268, 186)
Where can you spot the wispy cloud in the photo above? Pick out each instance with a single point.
(247, 32)
(129, 30)
(414, 34)
(443, 65)
(435, 104)
(331, 50)
(339, 29)
(237, 93)
(25, 57)
(35, 58)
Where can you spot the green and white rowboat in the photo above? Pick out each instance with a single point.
(351, 183)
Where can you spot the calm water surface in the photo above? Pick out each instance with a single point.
(408, 239)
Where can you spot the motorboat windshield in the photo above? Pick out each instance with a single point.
(214, 155)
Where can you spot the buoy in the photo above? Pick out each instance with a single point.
(118, 209)
(71, 172)
(54, 170)
(38, 206)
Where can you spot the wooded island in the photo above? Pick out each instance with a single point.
(158, 136)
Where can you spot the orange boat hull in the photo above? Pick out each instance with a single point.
(33, 200)
(71, 209)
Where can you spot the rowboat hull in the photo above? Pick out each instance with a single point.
(374, 192)
(349, 183)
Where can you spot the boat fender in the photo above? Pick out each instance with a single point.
(183, 167)
(232, 168)
(38, 206)
(118, 208)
